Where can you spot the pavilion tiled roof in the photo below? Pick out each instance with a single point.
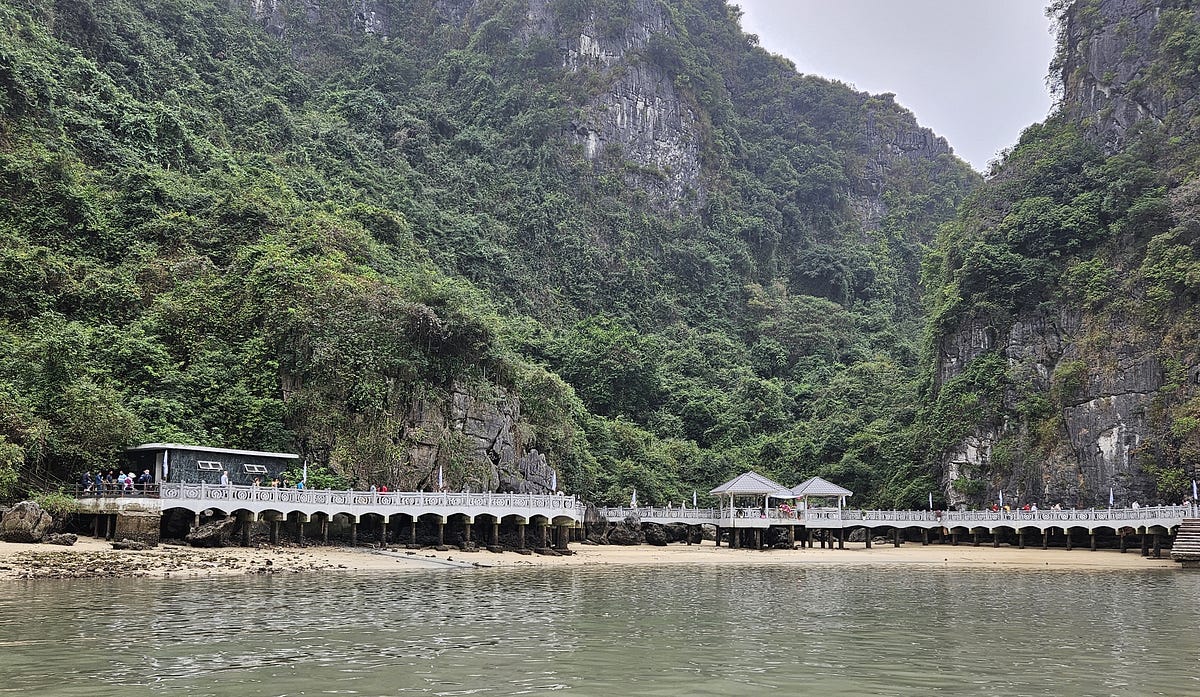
(752, 484)
(815, 486)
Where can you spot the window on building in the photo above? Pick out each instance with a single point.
(254, 469)
(208, 465)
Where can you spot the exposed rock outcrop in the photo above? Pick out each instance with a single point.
(66, 539)
(25, 522)
(214, 534)
(1113, 70)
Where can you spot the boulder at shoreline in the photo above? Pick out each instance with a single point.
(25, 522)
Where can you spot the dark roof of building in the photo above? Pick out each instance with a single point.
(205, 449)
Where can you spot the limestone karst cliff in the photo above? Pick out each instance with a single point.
(1065, 328)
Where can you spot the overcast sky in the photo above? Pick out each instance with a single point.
(972, 70)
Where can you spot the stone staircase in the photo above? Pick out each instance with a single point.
(1186, 548)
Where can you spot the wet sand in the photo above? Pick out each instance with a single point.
(91, 558)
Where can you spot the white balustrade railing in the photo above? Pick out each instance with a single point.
(446, 499)
(895, 516)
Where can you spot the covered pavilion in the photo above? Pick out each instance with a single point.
(748, 485)
(816, 487)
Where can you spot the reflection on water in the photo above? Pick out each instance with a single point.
(633, 631)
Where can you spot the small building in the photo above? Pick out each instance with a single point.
(173, 462)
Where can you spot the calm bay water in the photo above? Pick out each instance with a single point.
(824, 630)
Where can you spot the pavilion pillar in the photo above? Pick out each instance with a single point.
(520, 535)
(718, 535)
(758, 538)
(1157, 546)
(867, 536)
(841, 538)
(274, 537)
(792, 536)
(811, 532)
(354, 533)
(1092, 535)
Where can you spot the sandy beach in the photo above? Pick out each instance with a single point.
(91, 558)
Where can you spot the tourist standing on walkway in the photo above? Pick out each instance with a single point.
(224, 478)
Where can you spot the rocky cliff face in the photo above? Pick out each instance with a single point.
(1114, 68)
(1082, 411)
(474, 437)
(641, 114)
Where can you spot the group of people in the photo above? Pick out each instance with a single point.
(116, 482)
(275, 483)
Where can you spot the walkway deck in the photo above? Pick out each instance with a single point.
(1166, 517)
(270, 500)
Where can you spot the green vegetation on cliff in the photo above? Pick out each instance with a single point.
(213, 234)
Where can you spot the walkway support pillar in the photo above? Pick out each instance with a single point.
(1145, 545)
(300, 528)
(412, 531)
(1021, 538)
(1092, 535)
(792, 536)
(496, 532)
(924, 537)
(542, 530)
(467, 528)
(247, 518)
(441, 531)
(354, 533)
(995, 538)
(520, 535)
(1046, 538)
(867, 536)
(564, 535)
(274, 531)
(1157, 546)
(953, 538)
(895, 537)
(1068, 532)
(974, 537)
(1121, 537)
